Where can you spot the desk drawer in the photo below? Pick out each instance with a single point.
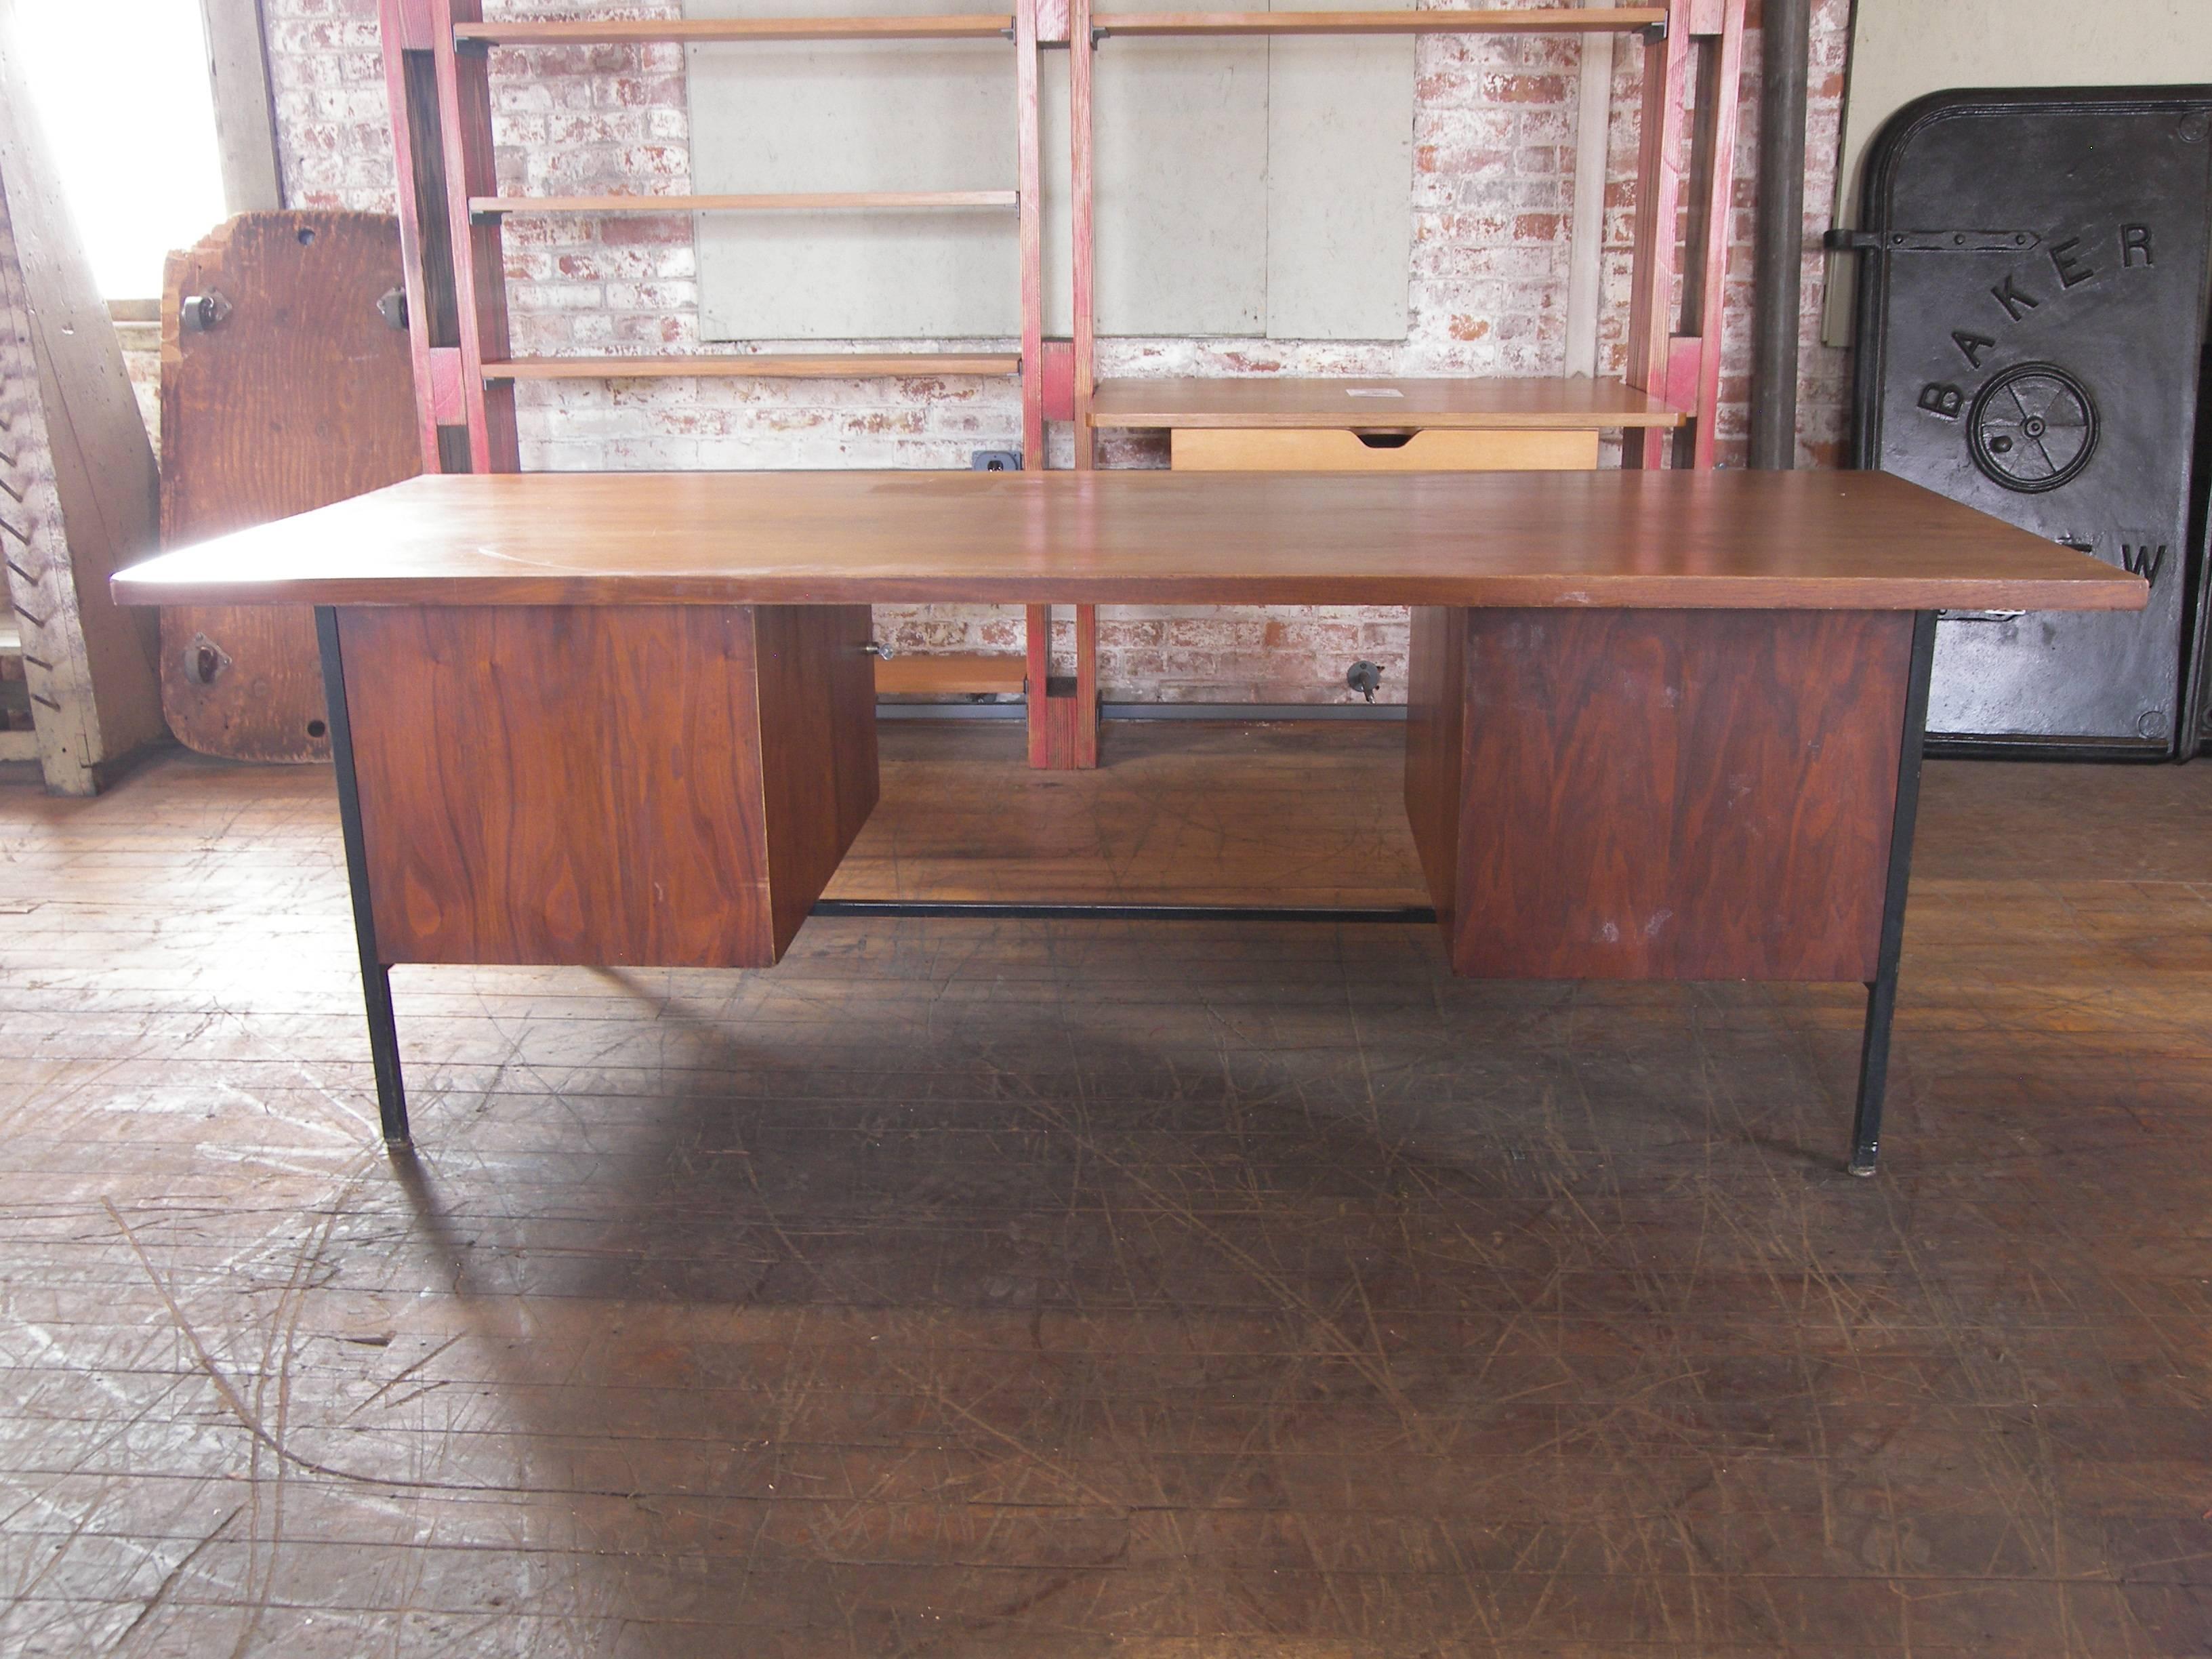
(1320, 449)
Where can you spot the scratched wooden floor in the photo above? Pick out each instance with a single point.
(1050, 1289)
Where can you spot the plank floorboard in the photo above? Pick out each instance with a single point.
(1157, 1291)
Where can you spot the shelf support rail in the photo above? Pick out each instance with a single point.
(1688, 148)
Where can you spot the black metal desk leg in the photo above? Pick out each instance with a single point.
(375, 977)
(1881, 994)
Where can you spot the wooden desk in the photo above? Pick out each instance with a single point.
(1664, 725)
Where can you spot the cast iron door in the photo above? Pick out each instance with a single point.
(2031, 306)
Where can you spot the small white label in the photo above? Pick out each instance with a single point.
(1373, 391)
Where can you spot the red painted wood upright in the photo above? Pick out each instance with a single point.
(1680, 283)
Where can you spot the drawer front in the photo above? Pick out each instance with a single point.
(1435, 450)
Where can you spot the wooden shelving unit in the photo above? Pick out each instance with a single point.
(1673, 348)
(436, 57)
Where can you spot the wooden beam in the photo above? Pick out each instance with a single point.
(1029, 233)
(1659, 167)
(1083, 234)
(464, 137)
(80, 493)
(244, 115)
(1717, 119)
(426, 266)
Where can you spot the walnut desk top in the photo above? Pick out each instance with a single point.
(1725, 540)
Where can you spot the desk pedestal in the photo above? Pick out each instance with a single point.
(1671, 795)
(603, 785)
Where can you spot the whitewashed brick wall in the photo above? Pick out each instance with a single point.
(1494, 145)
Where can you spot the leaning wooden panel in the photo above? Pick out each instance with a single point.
(77, 479)
(817, 747)
(299, 394)
(1677, 794)
(541, 784)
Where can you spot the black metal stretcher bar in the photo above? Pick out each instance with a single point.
(1052, 911)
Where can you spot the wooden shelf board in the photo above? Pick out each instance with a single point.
(951, 674)
(486, 206)
(19, 745)
(1553, 404)
(1532, 20)
(544, 32)
(824, 366)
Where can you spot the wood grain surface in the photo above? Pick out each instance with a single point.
(1189, 812)
(1490, 404)
(1664, 794)
(940, 673)
(1728, 539)
(1277, 449)
(605, 786)
(1030, 1290)
(817, 748)
(302, 396)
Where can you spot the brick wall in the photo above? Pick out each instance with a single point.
(1494, 142)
